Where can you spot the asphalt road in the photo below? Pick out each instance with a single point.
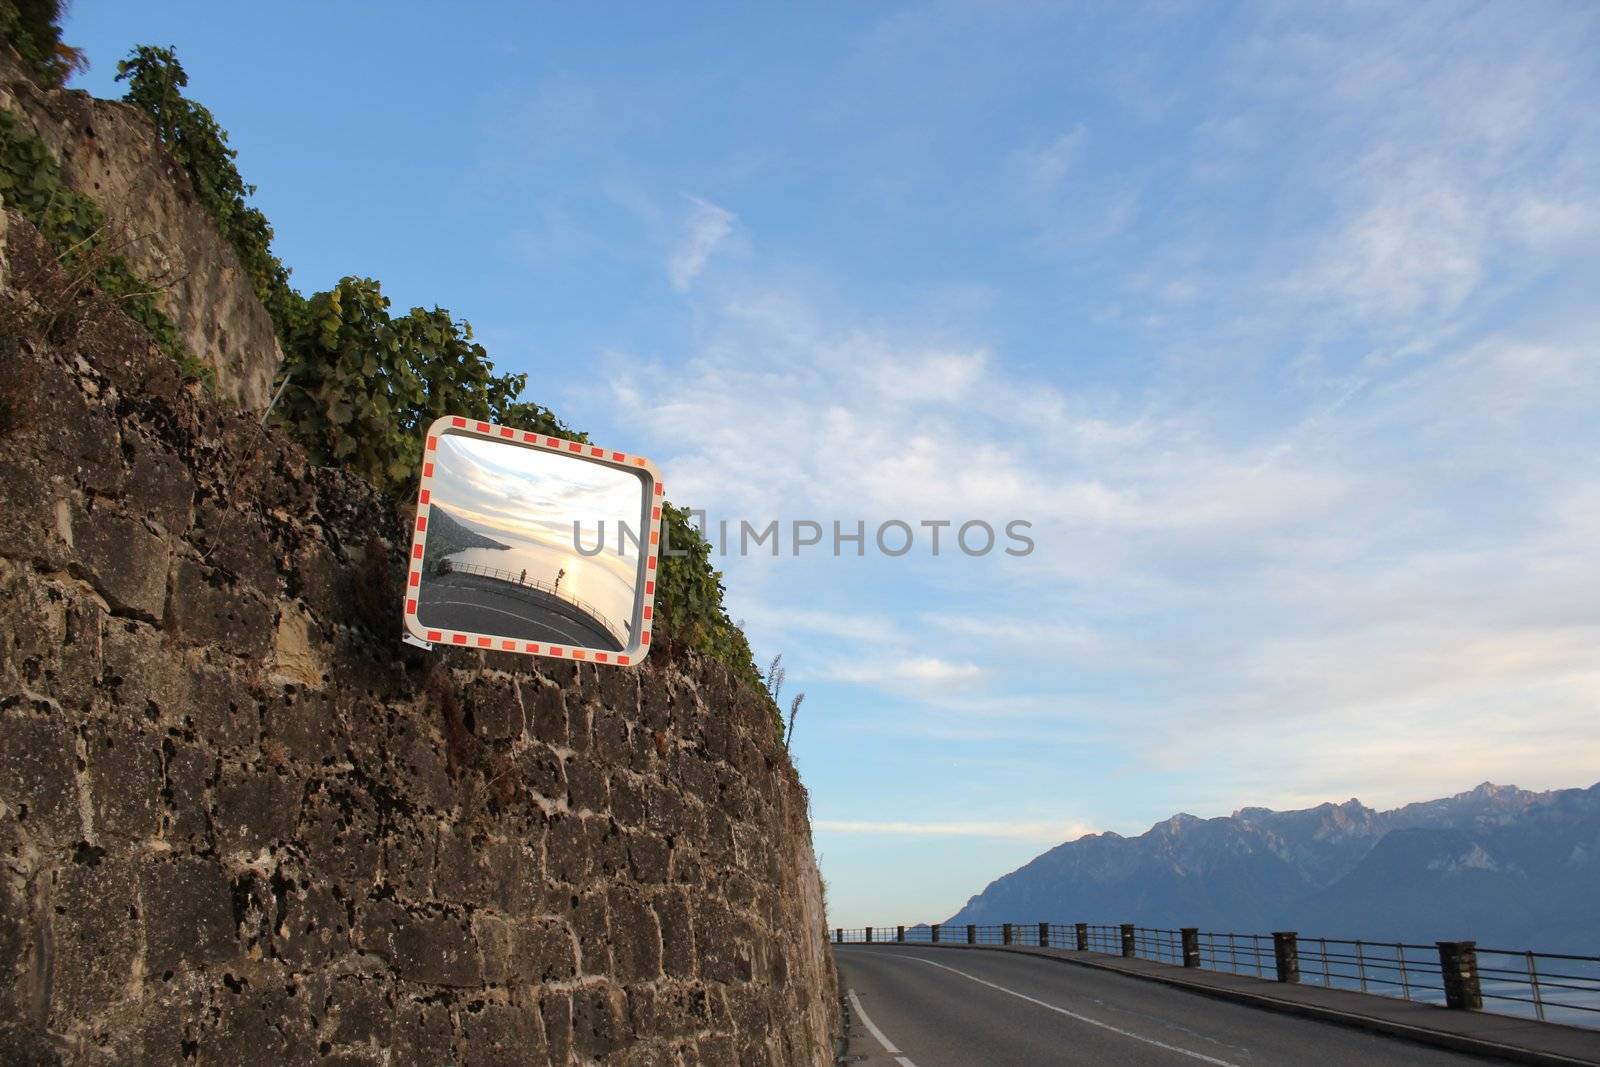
(939, 1008)
(476, 604)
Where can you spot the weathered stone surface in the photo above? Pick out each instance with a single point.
(37, 771)
(188, 914)
(125, 561)
(125, 779)
(208, 610)
(255, 809)
(598, 1020)
(433, 947)
(95, 939)
(110, 153)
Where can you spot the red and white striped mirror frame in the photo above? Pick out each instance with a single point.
(456, 424)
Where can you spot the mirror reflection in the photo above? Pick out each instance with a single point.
(531, 545)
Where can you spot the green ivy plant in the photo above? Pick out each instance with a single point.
(363, 384)
(75, 229)
(33, 28)
(200, 145)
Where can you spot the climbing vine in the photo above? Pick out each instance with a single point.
(200, 145)
(363, 384)
(33, 28)
(75, 229)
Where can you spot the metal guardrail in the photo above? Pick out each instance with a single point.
(1547, 986)
(449, 566)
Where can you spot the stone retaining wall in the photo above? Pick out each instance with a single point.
(238, 823)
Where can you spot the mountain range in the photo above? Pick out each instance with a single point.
(1504, 866)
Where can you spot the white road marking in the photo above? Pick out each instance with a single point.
(888, 1046)
(1070, 1014)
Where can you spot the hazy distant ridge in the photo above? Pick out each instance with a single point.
(1500, 864)
(448, 535)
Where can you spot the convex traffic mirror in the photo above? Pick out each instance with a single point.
(533, 544)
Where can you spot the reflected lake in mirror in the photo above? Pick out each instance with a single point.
(500, 557)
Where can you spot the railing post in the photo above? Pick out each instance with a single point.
(1458, 963)
(1082, 932)
(899, 933)
(1191, 946)
(1005, 933)
(1044, 935)
(972, 934)
(838, 935)
(869, 935)
(1127, 940)
(935, 933)
(1286, 952)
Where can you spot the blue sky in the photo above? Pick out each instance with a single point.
(1278, 322)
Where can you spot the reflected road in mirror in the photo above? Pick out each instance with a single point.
(500, 557)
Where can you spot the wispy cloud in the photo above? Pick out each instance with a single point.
(706, 228)
(914, 672)
(1043, 832)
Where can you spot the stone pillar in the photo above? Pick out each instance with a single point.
(935, 930)
(1191, 946)
(1082, 930)
(1044, 935)
(972, 934)
(1286, 951)
(1005, 933)
(1458, 963)
(899, 933)
(1128, 947)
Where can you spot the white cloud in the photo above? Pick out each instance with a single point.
(913, 672)
(1044, 167)
(1335, 534)
(708, 225)
(1042, 831)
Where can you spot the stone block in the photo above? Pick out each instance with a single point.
(635, 936)
(208, 610)
(547, 712)
(222, 709)
(38, 780)
(95, 934)
(543, 950)
(567, 850)
(125, 779)
(422, 1028)
(501, 1035)
(139, 670)
(306, 723)
(312, 927)
(648, 857)
(587, 787)
(124, 560)
(678, 956)
(255, 809)
(627, 800)
(338, 830)
(361, 1011)
(541, 771)
(494, 708)
(432, 947)
(188, 915)
(188, 771)
(555, 1008)
(160, 487)
(598, 1020)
